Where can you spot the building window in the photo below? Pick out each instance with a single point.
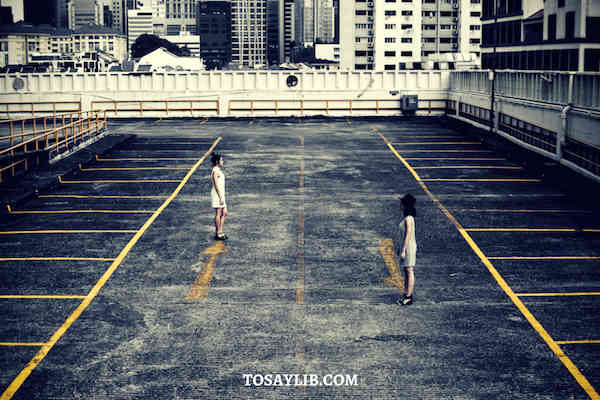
(407, 12)
(561, 3)
(570, 25)
(475, 14)
(406, 40)
(389, 13)
(390, 40)
(552, 27)
(390, 26)
(389, 67)
(390, 54)
(406, 53)
(361, 12)
(475, 27)
(406, 26)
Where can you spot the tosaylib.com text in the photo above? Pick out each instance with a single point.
(299, 380)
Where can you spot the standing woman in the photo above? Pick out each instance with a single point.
(407, 249)
(217, 195)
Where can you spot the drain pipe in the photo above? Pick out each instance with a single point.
(564, 126)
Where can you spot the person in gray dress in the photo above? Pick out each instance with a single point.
(407, 247)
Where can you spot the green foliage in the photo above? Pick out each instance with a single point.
(146, 44)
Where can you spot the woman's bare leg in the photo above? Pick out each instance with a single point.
(222, 214)
(409, 281)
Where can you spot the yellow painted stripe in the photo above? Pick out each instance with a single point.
(419, 143)
(146, 159)
(386, 249)
(445, 151)
(78, 196)
(300, 251)
(530, 230)
(138, 169)
(65, 231)
(35, 296)
(577, 342)
(547, 258)
(454, 159)
(579, 377)
(393, 149)
(20, 379)
(523, 211)
(18, 344)
(558, 294)
(82, 211)
(163, 143)
(56, 259)
(479, 180)
(431, 137)
(468, 167)
(123, 181)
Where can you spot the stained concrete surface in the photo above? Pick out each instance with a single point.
(309, 202)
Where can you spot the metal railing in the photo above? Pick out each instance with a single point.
(12, 108)
(139, 107)
(67, 131)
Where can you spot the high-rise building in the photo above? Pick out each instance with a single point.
(86, 12)
(554, 35)
(40, 12)
(385, 35)
(324, 21)
(139, 22)
(249, 32)
(119, 15)
(273, 32)
(179, 16)
(16, 7)
(214, 29)
(287, 29)
(305, 23)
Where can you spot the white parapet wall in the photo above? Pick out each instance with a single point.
(232, 93)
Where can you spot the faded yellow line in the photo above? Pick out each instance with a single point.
(164, 143)
(577, 342)
(121, 181)
(530, 230)
(579, 377)
(467, 166)
(454, 159)
(300, 251)
(34, 296)
(445, 151)
(145, 159)
(137, 169)
(547, 258)
(82, 212)
(20, 379)
(523, 211)
(204, 121)
(386, 248)
(19, 344)
(391, 147)
(202, 283)
(431, 137)
(65, 231)
(558, 294)
(480, 180)
(421, 143)
(77, 196)
(56, 259)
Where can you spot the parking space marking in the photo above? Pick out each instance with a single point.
(498, 210)
(531, 230)
(444, 151)
(554, 347)
(56, 259)
(300, 252)
(17, 212)
(563, 342)
(186, 168)
(386, 248)
(120, 181)
(425, 143)
(519, 258)
(558, 294)
(455, 159)
(48, 296)
(66, 231)
(145, 159)
(79, 196)
(481, 180)
(41, 354)
(21, 344)
(468, 167)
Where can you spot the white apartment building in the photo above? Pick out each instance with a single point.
(394, 34)
(85, 12)
(329, 51)
(139, 22)
(185, 39)
(249, 32)
(171, 17)
(305, 23)
(324, 17)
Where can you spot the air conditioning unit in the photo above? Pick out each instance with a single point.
(370, 59)
(371, 19)
(455, 19)
(455, 32)
(409, 104)
(370, 45)
(371, 33)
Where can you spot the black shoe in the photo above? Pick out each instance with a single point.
(405, 301)
(222, 237)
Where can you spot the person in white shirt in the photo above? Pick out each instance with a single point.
(407, 247)
(217, 195)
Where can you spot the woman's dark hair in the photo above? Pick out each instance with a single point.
(215, 157)
(408, 201)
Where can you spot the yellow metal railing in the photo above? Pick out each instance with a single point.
(166, 106)
(53, 108)
(67, 130)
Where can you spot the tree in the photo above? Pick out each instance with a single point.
(146, 44)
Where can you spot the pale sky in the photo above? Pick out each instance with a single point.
(17, 8)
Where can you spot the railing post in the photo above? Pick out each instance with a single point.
(12, 133)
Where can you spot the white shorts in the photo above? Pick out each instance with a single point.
(411, 256)
(214, 199)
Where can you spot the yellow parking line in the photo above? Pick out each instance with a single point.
(56, 259)
(19, 344)
(145, 159)
(20, 379)
(78, 196)
(454, 159)
(431, 137)
(57, 231)
(34, 296)
(468, 166)
(554, 347)
(82, 212)
(518, 258)
(444, 151)
(481, 180)
(121, 181)
(164, 143)
(531, 230)
(420, 143)
(522, 211)
(558, 294)
(577, 341)
(136, 169)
